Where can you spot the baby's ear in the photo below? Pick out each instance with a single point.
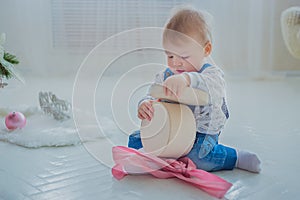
(207, 48)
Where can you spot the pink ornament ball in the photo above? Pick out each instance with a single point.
(15, 120)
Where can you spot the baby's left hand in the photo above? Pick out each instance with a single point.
(174, 85)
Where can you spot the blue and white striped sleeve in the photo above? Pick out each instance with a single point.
(211, 81)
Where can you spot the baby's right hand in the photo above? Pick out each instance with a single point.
(146, 110)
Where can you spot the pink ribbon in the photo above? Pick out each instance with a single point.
(131, 161)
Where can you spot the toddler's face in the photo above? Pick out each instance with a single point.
(184, 57)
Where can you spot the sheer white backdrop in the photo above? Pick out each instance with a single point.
(52, 37)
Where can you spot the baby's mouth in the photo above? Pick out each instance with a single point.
(180, 71)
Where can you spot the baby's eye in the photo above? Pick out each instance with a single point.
(170, 56)
(184, 57)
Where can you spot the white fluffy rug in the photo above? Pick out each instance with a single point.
(42, 130)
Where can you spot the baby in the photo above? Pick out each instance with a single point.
(187, 43)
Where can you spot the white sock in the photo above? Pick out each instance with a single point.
(247, 161)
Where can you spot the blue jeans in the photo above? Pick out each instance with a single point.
(206, 153)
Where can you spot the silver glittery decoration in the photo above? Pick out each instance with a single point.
(59, 109)
(2, 84)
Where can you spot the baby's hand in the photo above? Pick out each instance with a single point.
(146, 110)
(174, 85)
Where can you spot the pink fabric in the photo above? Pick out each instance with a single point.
(131, 161)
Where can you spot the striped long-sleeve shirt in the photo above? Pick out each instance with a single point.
(211, 118)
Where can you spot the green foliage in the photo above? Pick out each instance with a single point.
(11, 59)
(4, 73)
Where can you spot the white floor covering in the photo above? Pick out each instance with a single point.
(264, 119)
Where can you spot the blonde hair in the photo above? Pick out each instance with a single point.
(190, 23)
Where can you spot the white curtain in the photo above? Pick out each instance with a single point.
(52, 37)
(248, 37)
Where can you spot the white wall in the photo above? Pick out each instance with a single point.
(247, 35)
(27, 25)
